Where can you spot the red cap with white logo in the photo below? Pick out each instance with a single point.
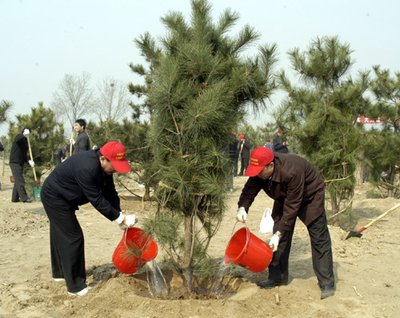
(259, 158)
(115, 152)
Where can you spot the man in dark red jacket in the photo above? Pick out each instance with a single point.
(298, 190)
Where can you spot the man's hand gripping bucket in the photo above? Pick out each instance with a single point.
(248, 250)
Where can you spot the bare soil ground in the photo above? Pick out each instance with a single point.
(367, 275)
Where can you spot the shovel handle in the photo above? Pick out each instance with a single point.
(70, 142)
(30, 154)
(379, 217)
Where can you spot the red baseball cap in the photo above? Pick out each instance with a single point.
(259, 158)
(115, 152)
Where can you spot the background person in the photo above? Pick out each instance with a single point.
(18, 158)
(299, 191)
(268, 144)
(244, 148)
(280, 142)
(82, 142)
(233, 149)
(85, 177)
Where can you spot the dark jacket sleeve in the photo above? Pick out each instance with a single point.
(249, 192)
(110, 193)
(90, 181)
(22, 143)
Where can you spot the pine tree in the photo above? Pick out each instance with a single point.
(383, 148)
(5, 107)
(322, 111)
(198, 87)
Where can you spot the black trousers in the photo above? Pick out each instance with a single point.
(235, 166)
(19, 192)
(244, 165)
(66, 242)
(321, 251)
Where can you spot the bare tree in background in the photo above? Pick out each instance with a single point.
(74, 97)
(113, 100)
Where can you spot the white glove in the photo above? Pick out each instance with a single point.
(274, 241)
(241, 215)
(72, 141)
(130, 220)
(31, 163)
(26, 132)
(126, 221)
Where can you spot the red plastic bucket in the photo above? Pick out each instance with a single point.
(134, 250)
(247, 250)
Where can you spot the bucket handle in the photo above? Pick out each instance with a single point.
(126, 244)
(124, 237)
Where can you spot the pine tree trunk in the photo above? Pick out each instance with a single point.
(334, 203)
(146, 196)
(187, 256)
(391, 182)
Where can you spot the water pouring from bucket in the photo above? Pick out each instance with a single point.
(217, 286)
(157, 284)
(135, 249)
(248, 250)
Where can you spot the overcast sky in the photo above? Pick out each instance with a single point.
(42, 40)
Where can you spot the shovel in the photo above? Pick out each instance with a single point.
(30, 155)
(70, 142)
(36, 187)
(358, 233)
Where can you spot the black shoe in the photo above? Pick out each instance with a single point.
(270, 283)
(28, 200)
(327, 292)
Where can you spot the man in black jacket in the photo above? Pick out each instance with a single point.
(82, 178)
(82, 140)
(279, 141)
(298, 190)
(18, 158)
